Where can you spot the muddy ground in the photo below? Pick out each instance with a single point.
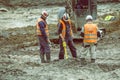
(19, 54)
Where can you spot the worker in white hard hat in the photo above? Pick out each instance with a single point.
(89, 17)
(90, 34)
(66, 35)
(43, 36)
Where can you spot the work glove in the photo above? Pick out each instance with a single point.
(49, 42)
(72, 36)
(82, 34)
(63, 39)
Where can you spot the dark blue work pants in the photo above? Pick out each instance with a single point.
(44, 46)
(71, 46)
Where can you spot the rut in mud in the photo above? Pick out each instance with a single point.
(19, 59)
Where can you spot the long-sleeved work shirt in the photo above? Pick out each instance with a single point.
(42, 26)
(60, 27)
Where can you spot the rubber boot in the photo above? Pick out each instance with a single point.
(92, 60)
(42, 57)
(83, 61)
(48, 59)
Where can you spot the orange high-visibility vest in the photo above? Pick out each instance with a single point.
(64, 28)
(38, 27)
(90, 33)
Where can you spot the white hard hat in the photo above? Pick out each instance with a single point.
(89, 17)
(45, 14)
(65, 17)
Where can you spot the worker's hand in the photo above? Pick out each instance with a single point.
(63, 39)
(49, 41)
(72, 36)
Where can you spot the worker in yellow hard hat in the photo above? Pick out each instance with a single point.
(66, 35)
(43, 36)
(90, 35)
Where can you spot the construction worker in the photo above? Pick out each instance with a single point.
(43, 36)
(90, 34)
(66, 35)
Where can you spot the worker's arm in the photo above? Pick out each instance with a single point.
(62, 37)
(71, 31)
(42, 29)
(98, 32)
(72, 34)
(60, 30)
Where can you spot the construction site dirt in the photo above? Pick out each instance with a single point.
(19, 50)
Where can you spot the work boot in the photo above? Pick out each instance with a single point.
(48, 57)
(92, 60)
(83, 61)
(42, 57)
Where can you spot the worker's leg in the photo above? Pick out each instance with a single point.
(41, 49)
(61, 53)
(47, 51)
(72, 48)
(42, 58)
(93, 53)
(84, 53)
(45, 48)
(48, 57)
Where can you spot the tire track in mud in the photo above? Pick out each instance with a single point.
(28, 64)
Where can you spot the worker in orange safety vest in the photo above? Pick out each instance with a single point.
(66, 35)
(43, 36)
(90, 35)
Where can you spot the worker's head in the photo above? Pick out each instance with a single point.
(44, 14)
(89, 18)
(65, 17)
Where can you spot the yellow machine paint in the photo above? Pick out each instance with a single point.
(65, 49)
